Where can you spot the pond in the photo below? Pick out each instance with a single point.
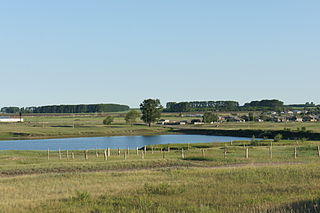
(114, 142)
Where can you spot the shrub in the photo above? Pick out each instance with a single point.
(277, 138)
(108, 120)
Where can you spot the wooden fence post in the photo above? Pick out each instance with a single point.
(295, 152)
(118, 151)
(225, 152)
(270, 151)
(48, 154)
(318, 151)
(67, 155)
(152, 150)
(168, 148)
(128, 151)
(60, 154)
(247, 152)
(182, 153)
(203, 155)
(72, 154)
(105, 155)
(108, 153)
(86, 154)
(125, 155)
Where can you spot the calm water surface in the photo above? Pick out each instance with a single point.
(114, 142)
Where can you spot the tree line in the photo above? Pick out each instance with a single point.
(218, 106)
(81, 108)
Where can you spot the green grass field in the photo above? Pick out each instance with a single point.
(62, 126)
(91, 125)
(205, 180)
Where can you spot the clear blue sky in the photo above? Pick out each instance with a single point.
(123, 51)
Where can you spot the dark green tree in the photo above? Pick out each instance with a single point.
(131, 117)
(278, 138)
(209, 117)
(108, 120)
(151, 110)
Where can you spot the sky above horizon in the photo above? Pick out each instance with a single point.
(78, 52)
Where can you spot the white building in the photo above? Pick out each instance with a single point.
(10, 120)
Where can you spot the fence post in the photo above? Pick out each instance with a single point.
(152, 150)
(270, 151)
(295, 152)
(128, 150)
(48, 154)
(168, 148)
(86, 154)
(97, 154)
(247, 153)
(125, 155)
(319, 151)
(203, 155)
(72, 154)
(109, 153)
(182, 153)
(67, 155)
(60, 154)
(105, 155)
(225, 152)
(118, 151)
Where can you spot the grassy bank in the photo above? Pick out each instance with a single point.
(203, 180)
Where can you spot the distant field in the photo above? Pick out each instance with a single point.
(62, 126)
(205, 181)
(86, 125)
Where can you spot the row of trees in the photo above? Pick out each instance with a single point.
(197, 106)
(81, 108)
(202, 106)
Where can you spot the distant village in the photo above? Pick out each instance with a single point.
(271, 116)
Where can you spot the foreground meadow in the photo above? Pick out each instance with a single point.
(199, 178)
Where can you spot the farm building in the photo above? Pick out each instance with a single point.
(5, 119)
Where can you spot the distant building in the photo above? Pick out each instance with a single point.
(5, 119)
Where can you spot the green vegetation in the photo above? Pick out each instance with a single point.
(108, 120)
(201, 106)
(205, 180)
(81, 108)
(131, 116)
(151, 110)
(209, 117)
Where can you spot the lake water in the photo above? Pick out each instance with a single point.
(114, 142)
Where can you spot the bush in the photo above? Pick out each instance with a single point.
(277, 138)
(108, 120)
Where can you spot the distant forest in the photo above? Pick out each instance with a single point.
(81, 108)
